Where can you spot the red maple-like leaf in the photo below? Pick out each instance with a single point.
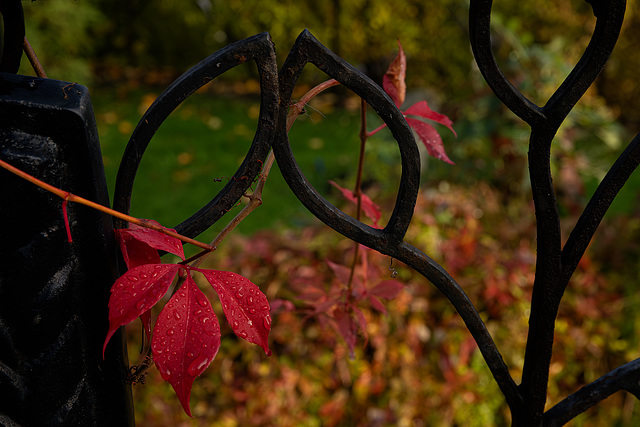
(140, 245)
(245, 306)
(186, 339)
(136, 291)
(394, 84)
(371, 210)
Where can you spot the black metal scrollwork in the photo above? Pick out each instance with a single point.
(555, 264)
(258, 48)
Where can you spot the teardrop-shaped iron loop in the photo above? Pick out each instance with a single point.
(603, 40)
(307, 49)
(258, 48)
(480, 37)
(593, 60)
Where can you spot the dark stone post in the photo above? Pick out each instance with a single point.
(53, 293)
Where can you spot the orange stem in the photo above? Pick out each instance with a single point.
(77, 199)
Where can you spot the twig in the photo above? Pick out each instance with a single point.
(33, 59)
(357, 192)
(69, 197)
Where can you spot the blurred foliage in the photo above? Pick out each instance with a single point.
(420, 365)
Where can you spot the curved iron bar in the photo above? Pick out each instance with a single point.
(626, 377)
(258, 48)
(308, 49)
(592, 215)
(13, 37)
(480, 37)
(388, 241)
(552, 275)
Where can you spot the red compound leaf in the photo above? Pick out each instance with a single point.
(245, 306)
(393, 81)
(139, 245)
(186, 339)
(371, 210)
(136, 291)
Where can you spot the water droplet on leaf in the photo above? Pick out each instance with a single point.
(198, 365)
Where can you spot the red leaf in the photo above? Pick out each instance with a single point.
(387, 289)
(371, 210)
(135, 252)
(245, 306)
(421, 109)
(323, 307)
(430, 138)
(376, 304)
(342, 272)
(393, 81)
(186, 339)
(152, 238)
(362, 323)
(346, 327)
(136, 291)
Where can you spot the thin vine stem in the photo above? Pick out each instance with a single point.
(357, 192)
(70, 197)
(33, 59)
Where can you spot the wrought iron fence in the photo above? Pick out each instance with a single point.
(555, 262)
